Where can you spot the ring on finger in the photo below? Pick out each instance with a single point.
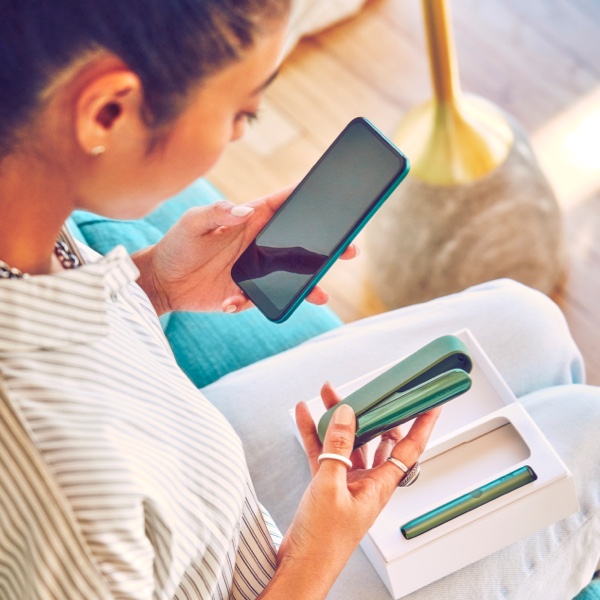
(399, 464)
(410, 475)
(331, 456)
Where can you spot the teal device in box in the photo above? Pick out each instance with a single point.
(318, 221)
(431, 376)
(469, 501)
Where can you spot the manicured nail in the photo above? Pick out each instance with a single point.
(241, 211)
(230, 308)
(343, 415)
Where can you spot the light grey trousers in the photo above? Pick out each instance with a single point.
(526, 337)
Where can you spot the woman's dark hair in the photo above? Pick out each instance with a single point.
(170, 44)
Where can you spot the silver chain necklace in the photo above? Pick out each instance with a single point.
(64, 249)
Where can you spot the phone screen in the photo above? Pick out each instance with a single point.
(319, 219)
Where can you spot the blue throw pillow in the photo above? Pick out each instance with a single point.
(206, 345)
(591, 592)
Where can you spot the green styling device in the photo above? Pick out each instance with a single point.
(470, 501)
(431, 376)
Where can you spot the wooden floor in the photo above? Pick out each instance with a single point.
(539, 60)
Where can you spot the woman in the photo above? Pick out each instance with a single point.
(119, 479)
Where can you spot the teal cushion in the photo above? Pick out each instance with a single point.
(206, 345)
(74, 229)
(591, 592)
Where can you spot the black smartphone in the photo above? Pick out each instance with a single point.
(318, 221)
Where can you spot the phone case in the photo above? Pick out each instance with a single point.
(431, 376)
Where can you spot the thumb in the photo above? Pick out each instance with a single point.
(339, 440)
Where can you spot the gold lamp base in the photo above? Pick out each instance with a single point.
(432, 239)
(475, 205)
(455, 142)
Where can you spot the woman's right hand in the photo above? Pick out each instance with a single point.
(340, 504)
(190, 267)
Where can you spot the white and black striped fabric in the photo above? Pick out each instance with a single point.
(118, 479)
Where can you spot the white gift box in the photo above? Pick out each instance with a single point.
(480, 436)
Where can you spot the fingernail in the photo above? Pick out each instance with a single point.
(343, 415)
(241, 211)
(231, 308)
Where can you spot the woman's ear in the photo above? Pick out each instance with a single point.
(108, 107)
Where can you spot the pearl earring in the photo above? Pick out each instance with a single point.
(97, 150)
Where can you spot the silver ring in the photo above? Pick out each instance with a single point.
(338, 457)
(410, 475)
(399, 464)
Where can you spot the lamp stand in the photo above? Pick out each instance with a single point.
(475, 206)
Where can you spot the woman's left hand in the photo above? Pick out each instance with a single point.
(190, 268)
(342, 501)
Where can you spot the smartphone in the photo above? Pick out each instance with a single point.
(357, 173)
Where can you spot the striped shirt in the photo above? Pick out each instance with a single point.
(118, 479)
